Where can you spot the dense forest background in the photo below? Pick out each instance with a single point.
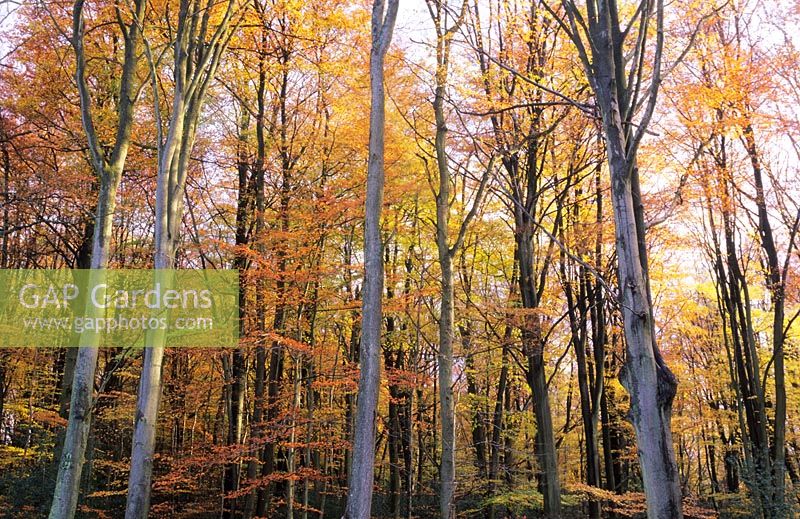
(235, 134)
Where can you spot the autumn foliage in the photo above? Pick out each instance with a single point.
(275, 188)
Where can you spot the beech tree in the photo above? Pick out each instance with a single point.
(360, 478)
(108, 163)
(739, 184)
(197, 51)
(501, 335)
(621, 91)
(446, 27)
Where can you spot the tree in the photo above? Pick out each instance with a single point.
(447, 247)
(108, 166)
(525, 119)
(197, 51)
(618, 85)
(360, 479)
(730, 93)
(585, 305)
(274, 187)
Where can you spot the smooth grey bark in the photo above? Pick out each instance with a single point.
(645, 375)
(618, 87)
(446, 252)
(360, 479)
(83, 260)
(197, 51)
(108, 166)
(447, 465)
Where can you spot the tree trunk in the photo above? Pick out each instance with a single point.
(578, 324)
(83, 260)
(238, 376)
(360, 480)
(545, 445)
(740, 342)
(533, 348)
(497, 416)
(197, 54)
(479, 436)
(447, 468)
(261, 355)
(645, 376)
(732, 471)
(109, 170)
(446, 253)
(776, 280)
(392, 356)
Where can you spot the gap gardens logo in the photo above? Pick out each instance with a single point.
(122, 308)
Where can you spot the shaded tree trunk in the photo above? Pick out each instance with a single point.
(236, 373)
(776, 283)
(531, 289)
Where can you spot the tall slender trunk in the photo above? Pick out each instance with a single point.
(581, 306)
(776, 281)
(360, 479)
(277, 350)
(6, 154)
(290, 455)
(109, 170)
(545, 445)
(68, 480)
(479, 437)
(447, 249)
(577, 310)
(2, 394)
(197, 49)
(236, 379)
(533, 348)
(257, 188)
(392, 361)
(447, 467)
(495, 442)
(167, 226)
(740, 341)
